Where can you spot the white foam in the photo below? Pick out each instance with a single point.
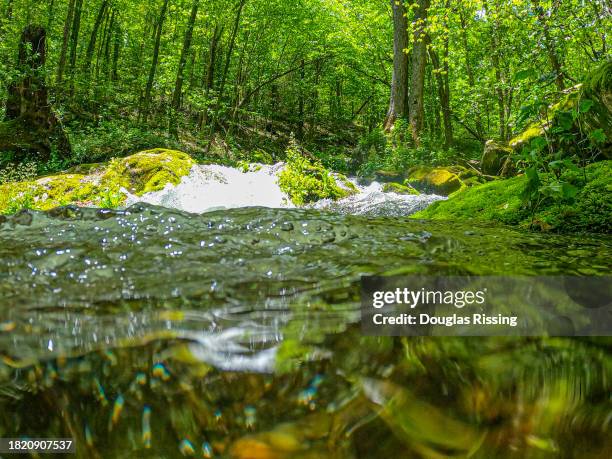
(214, 187)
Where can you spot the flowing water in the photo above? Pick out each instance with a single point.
(153, 332)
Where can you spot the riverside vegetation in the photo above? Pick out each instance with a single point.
(429, 137)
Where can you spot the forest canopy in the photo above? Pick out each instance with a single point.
(242, 75)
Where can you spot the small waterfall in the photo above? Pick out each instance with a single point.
(213, 187)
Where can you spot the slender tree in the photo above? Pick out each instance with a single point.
(417, 76)
(398, 103)
(178, 86)
(149, 88)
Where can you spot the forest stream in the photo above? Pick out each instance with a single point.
(154, 332)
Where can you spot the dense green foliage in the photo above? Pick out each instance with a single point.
(230, 81)
(589, 209)
(126, 75)
(306, 180)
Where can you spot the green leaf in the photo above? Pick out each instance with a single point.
(565, 120)
(598, 136)
(523, 74)
(585, 105)
(569, 191)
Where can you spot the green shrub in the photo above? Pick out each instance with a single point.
(306, 180)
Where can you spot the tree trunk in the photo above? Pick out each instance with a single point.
(441, 75)
(501, 99)
(549, 43)
(470, 74)
(74, 35)
(116, 51)
(94, 35)
(31, 126)
(178, 86)
(210, 72)
(63, 54)
(417, 77)
(153, 70)
(398, 107)
(228, 59)
(300, 128)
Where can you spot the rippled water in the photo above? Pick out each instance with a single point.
(152, 332)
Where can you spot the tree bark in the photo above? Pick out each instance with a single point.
(94, 35)
(210, 71)
(116, 51)
(501, 99)
(63, 54)
(442, 82)
(178, 86)
(31, 126)
(74, 35)
(398, 107)
(471, 79)
(155, 60)
(550, 46)
(417, 77)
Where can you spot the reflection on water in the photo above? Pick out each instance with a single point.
(154, 333)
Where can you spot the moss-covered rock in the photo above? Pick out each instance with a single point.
(399, 189)
(501, 201)
(99, 185)
(149, 170)
(388, 176)
(494, 156)
(439, 180)
(306, 180)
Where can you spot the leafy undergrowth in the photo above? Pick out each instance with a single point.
(589, 210)
(306, 180)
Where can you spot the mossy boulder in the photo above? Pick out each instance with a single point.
(438, 180)
(149, 170)
(501, 201)
(398, 188)
(305, 180)
(98, 185)
(388, 176)
(494, 156)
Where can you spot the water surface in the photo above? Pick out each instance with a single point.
(152, 332)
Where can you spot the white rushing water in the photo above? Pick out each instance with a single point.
(214, 187)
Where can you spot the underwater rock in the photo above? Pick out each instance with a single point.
(99, 185)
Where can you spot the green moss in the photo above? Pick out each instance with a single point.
(306, 180)
(532, 131)
(149, 170)
(591, 210)
(99, 185)
(399, 189)
(443, 181)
